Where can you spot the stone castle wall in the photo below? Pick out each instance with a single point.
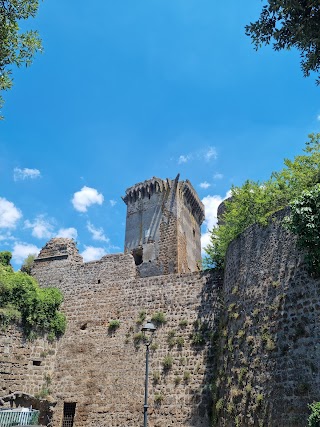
(258, 351)
(24, 366)
(270, 349)
(102, 371)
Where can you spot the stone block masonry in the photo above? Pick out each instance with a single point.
(270, 330)
(240, 350)
(163, 226)
(103, 371)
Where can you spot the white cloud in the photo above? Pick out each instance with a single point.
(113, 202)
(91, 253)
(9, 214)
(210, 153)
(41, 227)
(86, 197)
(6, 236)
(217, 176)
(318, 117)
(183, 159)
(97, 233)
(68, 233)
(25, 173)
(211, 204)
(205, 184)
(206, 154)
(22, 250)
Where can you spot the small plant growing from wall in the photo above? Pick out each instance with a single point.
(219, 405)
(183, 361)
(177, 380)
(180, 342)
(197, 339)
(138, 338)
(259, 399)
(154, 346)
(141, 317)
(158, 398)
(183, 323)
(156, 377)
(186, 376)
(167, 362)
(314, 417)
(171, 340)
(113, 325)
(159, 318)
(45, 391)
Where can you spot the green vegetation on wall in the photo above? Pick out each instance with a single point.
(314, 418)
(255, 202)
(27, 263)
(22, 300)
(304, 221)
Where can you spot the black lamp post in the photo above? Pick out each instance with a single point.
(147, 330)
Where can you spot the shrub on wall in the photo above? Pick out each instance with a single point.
(167, 362)
(159, 318)
(22, 299)
(314, 418)
(255, 202)
(304, 221)
(113, 325)
(141, 317)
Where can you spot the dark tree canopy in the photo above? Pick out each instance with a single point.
(16, 48)
(290, 24)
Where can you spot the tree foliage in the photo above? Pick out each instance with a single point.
(290, 24)
(305, 222)
(22, 299)
(16, 48)
(5, 258)
(27, 264)
(254, 202)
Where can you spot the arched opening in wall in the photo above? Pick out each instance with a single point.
(69, 410)
(138, 256)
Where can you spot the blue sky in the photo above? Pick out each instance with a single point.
(129, 90)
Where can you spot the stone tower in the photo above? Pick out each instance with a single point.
(163, 226)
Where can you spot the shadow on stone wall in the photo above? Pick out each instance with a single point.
(270, 337)
(205, 344)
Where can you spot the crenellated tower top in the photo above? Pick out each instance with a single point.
(163, 226)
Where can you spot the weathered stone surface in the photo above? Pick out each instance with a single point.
(163, 226)
(270, 351)
(103, 371)
(259, 327)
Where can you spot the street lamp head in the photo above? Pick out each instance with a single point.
(149, 327)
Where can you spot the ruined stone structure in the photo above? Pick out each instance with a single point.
(241, 350)
(163, 226)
